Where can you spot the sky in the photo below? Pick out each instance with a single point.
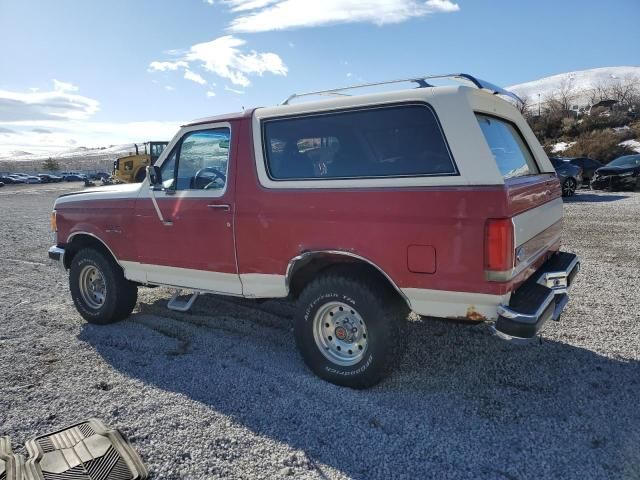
(95, 73)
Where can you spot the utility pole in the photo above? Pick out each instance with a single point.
(538, 105)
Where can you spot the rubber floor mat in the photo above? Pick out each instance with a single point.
(11, 466)
(86, 451)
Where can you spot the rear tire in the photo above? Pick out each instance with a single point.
(99, 290)
(349, 328)
(569, 187)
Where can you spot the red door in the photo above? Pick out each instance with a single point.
(192, 245)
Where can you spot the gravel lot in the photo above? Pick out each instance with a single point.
(222, 392)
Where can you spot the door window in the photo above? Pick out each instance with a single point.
(199, 162)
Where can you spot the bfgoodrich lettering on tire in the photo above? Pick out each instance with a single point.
(349, 328)
(99, 290)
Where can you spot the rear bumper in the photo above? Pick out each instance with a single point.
(539, 299)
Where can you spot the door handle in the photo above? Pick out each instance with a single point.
(220, 206)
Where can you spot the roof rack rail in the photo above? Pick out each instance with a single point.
(420, 81)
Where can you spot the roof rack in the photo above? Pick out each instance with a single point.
(420, 81)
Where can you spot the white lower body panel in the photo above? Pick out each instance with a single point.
(202, 280)
(434, 303)
(459, 305)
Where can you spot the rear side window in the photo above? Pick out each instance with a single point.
(512, 155)
(395, 141)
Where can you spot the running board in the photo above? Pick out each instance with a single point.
(182, 305)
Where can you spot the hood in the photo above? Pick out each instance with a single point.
(614, 170)
(107, 192)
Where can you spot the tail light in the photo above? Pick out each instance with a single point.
(499, 244)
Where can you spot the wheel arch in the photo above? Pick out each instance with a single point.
(302, 268)
(80, 240)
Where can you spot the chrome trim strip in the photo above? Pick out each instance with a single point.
(311, 253)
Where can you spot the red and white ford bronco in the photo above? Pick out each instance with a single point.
(438, 200)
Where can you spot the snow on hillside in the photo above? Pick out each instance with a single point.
(76, 159)
(581, 82)
(632, 144)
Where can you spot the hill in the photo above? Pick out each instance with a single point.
(581, 84)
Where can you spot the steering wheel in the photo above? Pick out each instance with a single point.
(206, 178)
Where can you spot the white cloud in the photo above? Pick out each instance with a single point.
(211, 94)
(234, 90)
(444, 6)
(48, 121)
(268, 15)
(48, 137)
(194, 77)
(164, 66)
(7, 131)
(59, 86)
(226, 58)
(57, 104)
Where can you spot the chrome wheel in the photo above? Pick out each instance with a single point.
(93, 288)
(569, 187)
(340, 333)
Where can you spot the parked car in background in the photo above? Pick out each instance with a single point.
(75, 177)
(49, 178)
(588, 165)
(623, 173)
(99, 176)
(6, 179)
(1, 184)
(570, 176)
(27, 178)
(263, 217)
(17, 179)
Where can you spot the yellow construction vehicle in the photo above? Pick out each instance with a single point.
(132, 168)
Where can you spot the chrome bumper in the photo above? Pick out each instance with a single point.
(57, 255)
(544, 296)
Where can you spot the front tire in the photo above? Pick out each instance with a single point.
(350, 328)
(99, 290)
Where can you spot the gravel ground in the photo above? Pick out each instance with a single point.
(222, 392)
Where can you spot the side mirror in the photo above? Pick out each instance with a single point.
(154, 175)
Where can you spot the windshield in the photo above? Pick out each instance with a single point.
(626, 161)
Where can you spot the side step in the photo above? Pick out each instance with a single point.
(182, 305)
(11, 466)
(85, 451)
